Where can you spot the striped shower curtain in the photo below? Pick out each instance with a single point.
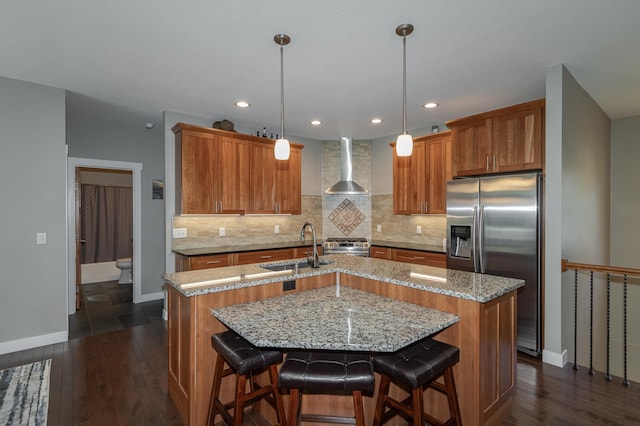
(106, 221)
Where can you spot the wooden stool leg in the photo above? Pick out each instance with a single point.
(215, 389)
(454, 407)
(358, 407)
(418, 406)
(277, 397)
(383, 390)
(238, 412)
(295, 397)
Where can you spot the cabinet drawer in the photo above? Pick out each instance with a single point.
(420, 257)
(380, 252)
(209, 261)
(262, 256)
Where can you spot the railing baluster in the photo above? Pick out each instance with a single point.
(608, 376)
(575, 320)
(591, 370)
(626, 381)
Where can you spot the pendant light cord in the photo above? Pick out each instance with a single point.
(282, 89)
(404, 84)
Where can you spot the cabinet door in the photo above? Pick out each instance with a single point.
(196, 175)
(472, 149)
(289, 183)
(232, 179)
(262, 171)
(438, 172)
(517, 141)
(409, 181)
(380, 252)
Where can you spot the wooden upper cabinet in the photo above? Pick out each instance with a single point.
(276, 185)
(505, 140)
(210, 172)
(420, 180)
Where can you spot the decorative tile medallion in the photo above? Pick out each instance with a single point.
(346, 217)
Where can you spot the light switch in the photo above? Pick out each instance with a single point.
(179, 232)
(379, 228)
(41, 238)
(276, 229)
(419, 230)
(221, 231)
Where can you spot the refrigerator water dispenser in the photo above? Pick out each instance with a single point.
(461, 244)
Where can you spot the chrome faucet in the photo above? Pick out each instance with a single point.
(316, 260)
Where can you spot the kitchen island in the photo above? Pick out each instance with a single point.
(485, 332)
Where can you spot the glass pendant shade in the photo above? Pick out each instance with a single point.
(404, 145)
(282, 149)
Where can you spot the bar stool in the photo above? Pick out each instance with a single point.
(415, 369)
(326, 373)
(243, 360)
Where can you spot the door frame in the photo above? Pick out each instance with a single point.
(136, 177)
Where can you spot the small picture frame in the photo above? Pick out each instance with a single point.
(157, 189)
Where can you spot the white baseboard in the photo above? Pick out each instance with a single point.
(151, 296)
(33, 342)
(554, 358)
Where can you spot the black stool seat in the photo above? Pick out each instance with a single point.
(326, 373)
(418, 364)
(243, 360)
(416, 369)
(319, 372)
(241, 355)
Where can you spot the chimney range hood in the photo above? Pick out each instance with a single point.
(346, 185)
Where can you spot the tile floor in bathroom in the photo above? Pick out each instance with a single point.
(107, 306)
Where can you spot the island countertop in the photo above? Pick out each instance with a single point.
(460, 284)
(333, 318)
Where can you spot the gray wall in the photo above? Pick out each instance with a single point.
(625, 232)
(97, 138)
(33, 301)
(577, 206)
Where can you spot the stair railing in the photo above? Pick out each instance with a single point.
(610, 270)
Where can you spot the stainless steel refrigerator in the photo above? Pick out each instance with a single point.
(493, 227)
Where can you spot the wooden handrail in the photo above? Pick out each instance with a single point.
(566, 265)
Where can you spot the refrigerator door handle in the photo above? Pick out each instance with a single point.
(474, 244)
(481, 238)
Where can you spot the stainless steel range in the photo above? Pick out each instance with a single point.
(349, 245)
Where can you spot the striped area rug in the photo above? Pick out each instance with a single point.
(24, 394)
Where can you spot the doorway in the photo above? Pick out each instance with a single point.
(73, 240)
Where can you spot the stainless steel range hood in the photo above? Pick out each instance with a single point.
(346, 185)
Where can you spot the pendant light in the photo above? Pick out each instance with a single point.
(282, 147)
(404, 143)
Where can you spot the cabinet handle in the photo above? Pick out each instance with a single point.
(418, 257)
(265, 257)
(220, 206)
(379, 252)
(426, 207)
(488, 163)
(494, 162)
(212, 262)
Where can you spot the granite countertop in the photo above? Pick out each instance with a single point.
(333, 318)
(409, 246)
(198, 251)
(465, 285)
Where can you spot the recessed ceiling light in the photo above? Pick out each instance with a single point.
(243, 104)
(315, 122)
(376, 120)
(430, 105)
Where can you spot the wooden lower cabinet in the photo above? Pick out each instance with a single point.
(193, 263)
(410, 256)
(485, 376)
(248, 257)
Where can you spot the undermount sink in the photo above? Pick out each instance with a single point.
(292, 265)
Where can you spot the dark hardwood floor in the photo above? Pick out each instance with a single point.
(120, 378)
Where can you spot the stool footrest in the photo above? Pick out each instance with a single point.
(322, 418)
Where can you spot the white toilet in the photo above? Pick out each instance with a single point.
(126, 267)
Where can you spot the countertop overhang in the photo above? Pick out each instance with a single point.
(461, 284)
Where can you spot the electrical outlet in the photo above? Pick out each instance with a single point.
(41, 238)
(179, 232)
(276, 229)
(379, 228)
(288, 285)
(419, 230)
(221, 231)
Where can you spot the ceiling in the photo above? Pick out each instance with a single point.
(129, 61)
